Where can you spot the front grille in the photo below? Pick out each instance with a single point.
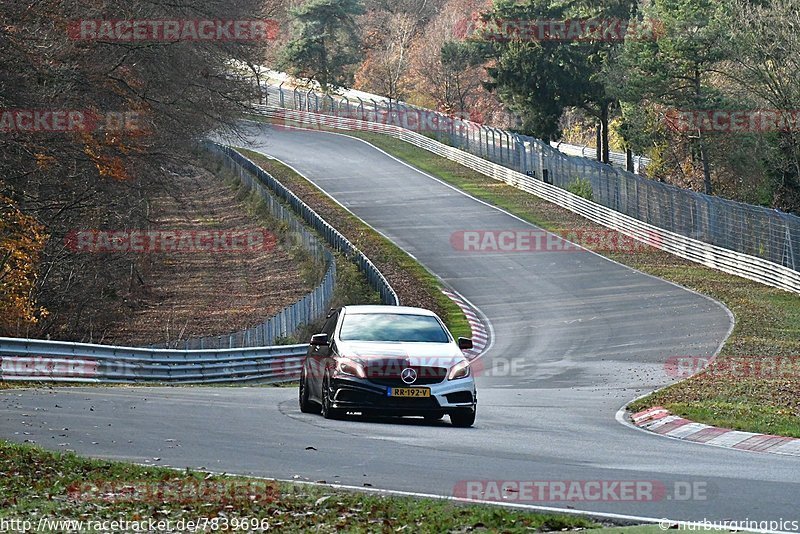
(391, 378)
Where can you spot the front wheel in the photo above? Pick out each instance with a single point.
(328, 411)
(463, 418)
(306, 404)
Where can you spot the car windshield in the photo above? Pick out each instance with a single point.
(392, 327)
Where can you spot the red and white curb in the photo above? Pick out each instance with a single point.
(480, 334)
(660, 421)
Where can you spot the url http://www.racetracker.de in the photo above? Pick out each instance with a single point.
(154, 526)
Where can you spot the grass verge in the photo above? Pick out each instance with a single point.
(415, 285)
(43, 487)
(753, 384)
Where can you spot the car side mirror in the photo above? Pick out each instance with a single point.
(319, 340)
(464, 343)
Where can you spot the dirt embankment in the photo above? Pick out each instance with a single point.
(184, 294)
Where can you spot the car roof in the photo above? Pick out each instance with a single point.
(374, 309)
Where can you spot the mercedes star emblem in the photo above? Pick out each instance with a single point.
(409, 375)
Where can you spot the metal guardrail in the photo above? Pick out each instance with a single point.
(769, 236)
(57, 361)
(754, 268)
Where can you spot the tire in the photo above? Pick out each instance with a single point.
(306, 404)
(328, 412)
(463, 418)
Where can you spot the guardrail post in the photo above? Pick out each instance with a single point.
(788, 252)
(522, 155)
(499, 141)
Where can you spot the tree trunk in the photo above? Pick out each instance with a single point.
(606, 153)
(629, 160)
(598, 143)
(709, 189)
(707, 185)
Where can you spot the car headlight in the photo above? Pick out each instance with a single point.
(350, 368)
(459, 370)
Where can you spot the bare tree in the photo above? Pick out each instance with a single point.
(385, 69)
(443, 74)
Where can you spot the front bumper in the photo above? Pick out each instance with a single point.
(355, 394)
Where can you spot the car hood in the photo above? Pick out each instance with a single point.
(408, 354)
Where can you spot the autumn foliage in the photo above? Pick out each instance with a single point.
(22, 240)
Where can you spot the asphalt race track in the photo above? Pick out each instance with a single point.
(585, 335)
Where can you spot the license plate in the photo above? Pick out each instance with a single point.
(409, 392)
